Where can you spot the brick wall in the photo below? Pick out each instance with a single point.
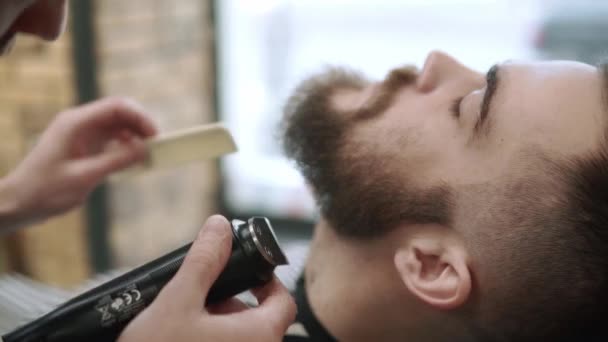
(159, 53)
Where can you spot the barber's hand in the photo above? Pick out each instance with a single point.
(75, 153)
(178, 313)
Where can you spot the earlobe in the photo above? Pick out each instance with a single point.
(436, 273)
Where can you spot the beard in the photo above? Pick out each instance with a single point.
(361, 191)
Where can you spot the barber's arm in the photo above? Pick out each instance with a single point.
(178, 314)
(75, 153)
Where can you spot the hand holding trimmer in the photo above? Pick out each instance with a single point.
(103, 312)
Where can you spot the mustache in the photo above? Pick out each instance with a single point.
(312, 126)
(6, 42)
(388, 89)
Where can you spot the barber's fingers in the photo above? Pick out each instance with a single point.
(229, 306)
(97, 167)
(204, 262)
(277, 307)
(112, 112)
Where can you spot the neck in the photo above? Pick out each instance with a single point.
(356, 294)
(352, 292)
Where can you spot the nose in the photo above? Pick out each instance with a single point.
(440, 68)
(44, 18)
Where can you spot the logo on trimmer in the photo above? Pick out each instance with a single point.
(120, 306)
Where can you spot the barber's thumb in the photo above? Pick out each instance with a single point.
(206, 259)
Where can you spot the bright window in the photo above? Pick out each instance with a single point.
(266, 47)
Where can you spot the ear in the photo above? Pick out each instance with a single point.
(435, 270)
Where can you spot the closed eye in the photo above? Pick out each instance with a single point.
(492, 79)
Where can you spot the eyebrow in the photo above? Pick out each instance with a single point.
(492, 80)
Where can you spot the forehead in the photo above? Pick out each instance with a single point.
(560, 105)
(555, 76)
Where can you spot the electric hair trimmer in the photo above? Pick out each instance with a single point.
(102, 313)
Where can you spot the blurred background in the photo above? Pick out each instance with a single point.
(198, 61)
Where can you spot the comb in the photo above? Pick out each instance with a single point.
(184, 146)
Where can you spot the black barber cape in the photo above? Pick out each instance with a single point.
(306, 327)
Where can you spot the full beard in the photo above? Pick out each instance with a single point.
(360, 191)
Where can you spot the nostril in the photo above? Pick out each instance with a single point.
(429, 76)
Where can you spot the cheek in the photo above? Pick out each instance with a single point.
(418, 125)
(426, 146)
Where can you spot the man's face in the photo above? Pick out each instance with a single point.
(42, 18)
(446, 127)
(440, 130)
